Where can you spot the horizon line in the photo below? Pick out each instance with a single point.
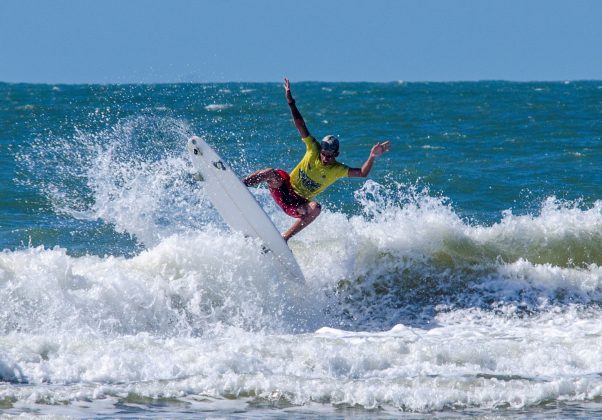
(400, 82)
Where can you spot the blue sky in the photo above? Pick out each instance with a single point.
(125, 41)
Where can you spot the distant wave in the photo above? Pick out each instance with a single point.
(217, 107)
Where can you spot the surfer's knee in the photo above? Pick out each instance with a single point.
(312, 210)
(272, 177)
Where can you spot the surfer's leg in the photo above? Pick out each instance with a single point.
(308, 213)
(268, 175)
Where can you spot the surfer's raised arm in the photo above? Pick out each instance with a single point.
(377, 150)
(297, 118)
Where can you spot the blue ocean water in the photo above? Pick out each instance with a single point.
(462, 278)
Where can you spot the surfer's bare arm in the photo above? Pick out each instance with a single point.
(377, 150)
(297, 118)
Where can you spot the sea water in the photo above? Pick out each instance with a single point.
(462, 278)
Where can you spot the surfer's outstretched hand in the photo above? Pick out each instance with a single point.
(287, 90)
(380, 148)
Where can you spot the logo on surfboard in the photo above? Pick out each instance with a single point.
(219, 165)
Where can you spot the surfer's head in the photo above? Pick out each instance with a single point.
(330, 144)
(329, 149)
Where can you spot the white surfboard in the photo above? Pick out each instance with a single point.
(239, 209)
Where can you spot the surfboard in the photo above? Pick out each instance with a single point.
(239, 208)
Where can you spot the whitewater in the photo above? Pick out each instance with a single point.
(125, 295)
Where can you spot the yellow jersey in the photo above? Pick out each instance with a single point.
(310, 177)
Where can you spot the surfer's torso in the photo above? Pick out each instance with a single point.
(310, 177)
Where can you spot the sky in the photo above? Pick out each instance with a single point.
(149, 41)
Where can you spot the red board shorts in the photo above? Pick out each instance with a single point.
(286, 197)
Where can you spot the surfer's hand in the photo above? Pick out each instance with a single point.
(380, 148)
(287, 90)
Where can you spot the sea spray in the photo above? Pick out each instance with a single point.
(187, 285)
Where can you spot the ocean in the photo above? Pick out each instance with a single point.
(463, 277)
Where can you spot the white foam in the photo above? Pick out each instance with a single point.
(185, 285)
(474, 359)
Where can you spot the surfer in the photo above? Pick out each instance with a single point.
(318, 169)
